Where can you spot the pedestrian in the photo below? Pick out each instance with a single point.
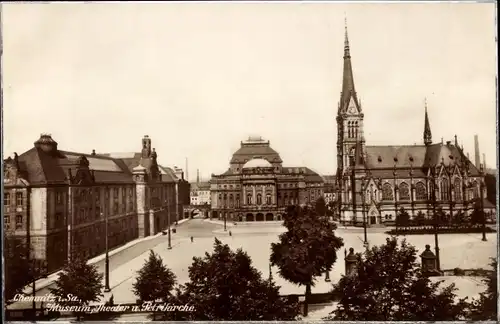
(191, 239)
(230, 234)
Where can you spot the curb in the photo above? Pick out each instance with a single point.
(45, 282)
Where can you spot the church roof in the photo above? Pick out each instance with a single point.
(419, 158)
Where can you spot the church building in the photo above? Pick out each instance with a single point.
(375, 182)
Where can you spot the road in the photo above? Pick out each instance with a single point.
(195, 228)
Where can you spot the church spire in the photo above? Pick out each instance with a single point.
(348, 90)
(427, 128)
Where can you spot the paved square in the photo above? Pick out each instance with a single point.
(465, 251)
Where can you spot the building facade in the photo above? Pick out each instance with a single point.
(375, 182)
(200, 193)
(257, 187)
(330, 190)
(60, 201)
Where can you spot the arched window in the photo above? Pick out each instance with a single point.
(268, 199)
(404, 191)
(249, 199)
(445, 190)
(259, 199)
(457, 184)
(475, 190)
(349, 129)
(355, 130)
(286, 199)
(237, 201)
(387, 193)
(420, 192)
(231, 200)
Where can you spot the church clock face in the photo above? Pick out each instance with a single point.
(352, 109)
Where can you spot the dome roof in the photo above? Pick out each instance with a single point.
(257, 163)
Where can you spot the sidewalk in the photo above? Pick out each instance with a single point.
(44, 282)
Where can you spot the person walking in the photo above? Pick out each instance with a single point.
(191, 239)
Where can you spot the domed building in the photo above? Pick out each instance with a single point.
(257, 187)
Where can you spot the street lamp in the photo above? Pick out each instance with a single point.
(365, 243)
(106, 266)
(169, 231)
(225, 212)
(481, 196)
(436, 224)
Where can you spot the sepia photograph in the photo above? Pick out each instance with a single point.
(249, 161)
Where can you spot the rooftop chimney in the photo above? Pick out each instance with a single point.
(448, 143)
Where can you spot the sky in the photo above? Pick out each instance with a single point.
(198, 78)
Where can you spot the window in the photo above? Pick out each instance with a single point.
(259, 199)
(458, 189)
(130, 199)
(19, 199)
(97, 197)
(6, 199)
(286, 199)
(231, 201)
(238, 201)
(6, 221)
(249, 199)
(58, 197)
(420, 191)
(445, 190)
(115, 201)
(404, 191)
(268, 199)
(124, 200)
(19, 222)
(387, 193)
(475, 190)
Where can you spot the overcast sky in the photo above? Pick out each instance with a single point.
(200, 77)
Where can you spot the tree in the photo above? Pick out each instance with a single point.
(80, 280)
(491, 187)
(154, 280)
(420, 218)
(225, 286)
(485, 308)
(320, 206)
(403, 218)
(307, 249)
(18, 270)
(389, 286)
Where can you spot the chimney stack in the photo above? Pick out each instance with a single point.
(197, 176)
(476, 151)
(484, 161)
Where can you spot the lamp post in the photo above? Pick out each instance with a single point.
(363, 198)
(106, 266)
(481, 196)
(169, 230)
(436, 223)
(225, 212)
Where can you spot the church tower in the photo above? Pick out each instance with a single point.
(427, 128)
(349, 117)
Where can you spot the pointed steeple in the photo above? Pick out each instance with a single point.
(427, 128)
(348, 89)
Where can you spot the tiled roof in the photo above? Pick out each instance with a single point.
(167, 174)
(329, 178)
(418, 157)
(248, 151)
(200, 186)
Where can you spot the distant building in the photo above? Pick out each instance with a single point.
(377, 181)
(58, 201)
(200, 192)
(257, 187)
(330, 190)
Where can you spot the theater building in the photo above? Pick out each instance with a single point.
(257, 187)
(60, 201)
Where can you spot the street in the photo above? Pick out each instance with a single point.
(184, 231)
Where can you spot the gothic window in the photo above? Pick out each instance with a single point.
(259, 199)
(475, 190)
(249, 199)
(445, 190)
(458, 189)
(387, 193)
(404, 191)
(355, 129)
(420, 191)
(231, 201)
(268, 199)
(349, 129)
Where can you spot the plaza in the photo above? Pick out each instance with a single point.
(457, 251)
